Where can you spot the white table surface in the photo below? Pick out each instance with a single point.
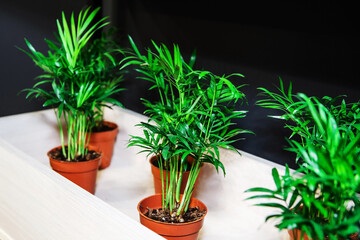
(128, 179)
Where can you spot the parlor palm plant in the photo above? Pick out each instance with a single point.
(319, 199)
(297, 116)
(192, 118)
(75, 89)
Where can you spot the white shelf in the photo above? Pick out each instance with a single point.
(120, 187)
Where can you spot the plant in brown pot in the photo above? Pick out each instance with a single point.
(319, 200)
(191, 120)
(70, 87)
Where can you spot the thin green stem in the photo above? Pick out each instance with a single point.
(193, 174)
(160, 163)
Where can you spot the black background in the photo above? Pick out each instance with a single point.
(313, 44)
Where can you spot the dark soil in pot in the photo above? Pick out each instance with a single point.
(161, 215)
(58, 155)
(103, 128)
(171, 231)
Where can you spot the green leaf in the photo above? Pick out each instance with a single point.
(272, 205)
(260, 189)
(165, 152)
(276, 178)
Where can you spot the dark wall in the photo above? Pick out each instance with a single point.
(313, 44)
(34, 20)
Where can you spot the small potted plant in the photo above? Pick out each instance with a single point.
(192, 119)
(318, 200)
(102, 56)
(74, 95)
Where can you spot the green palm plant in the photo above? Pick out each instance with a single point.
(319, 198)
(193, 118)
(75, 91)
(298, 118)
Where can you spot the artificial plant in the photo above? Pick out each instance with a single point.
(193, 117)
(319, 198)
(70, 84)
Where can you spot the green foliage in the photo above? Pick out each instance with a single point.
(194, 116)
(298, 117)
(320, 197)
(72, 71)
(102, 59)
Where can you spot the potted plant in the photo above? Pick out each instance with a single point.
(192, 119)
(102, 58)
(318, 200)
(71, 89)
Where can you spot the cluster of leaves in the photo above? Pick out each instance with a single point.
(319, 198)
(71, 70)
(102, 58)
(299, 118)
(193, 118)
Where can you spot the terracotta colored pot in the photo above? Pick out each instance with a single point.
(157, 176)
(81, 173)
(178, 231)
(105, 141)
(296, 234)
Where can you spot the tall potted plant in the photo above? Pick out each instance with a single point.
(74, 94)
(318, 200)
(193, 118)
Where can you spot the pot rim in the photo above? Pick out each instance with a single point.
(90, 147)
(116, 127)
(155, 156)
(171, 224)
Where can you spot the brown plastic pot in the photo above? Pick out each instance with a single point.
(105, 140)
(171, 231)
(295, 234)
(157, 176)
(81, 173)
